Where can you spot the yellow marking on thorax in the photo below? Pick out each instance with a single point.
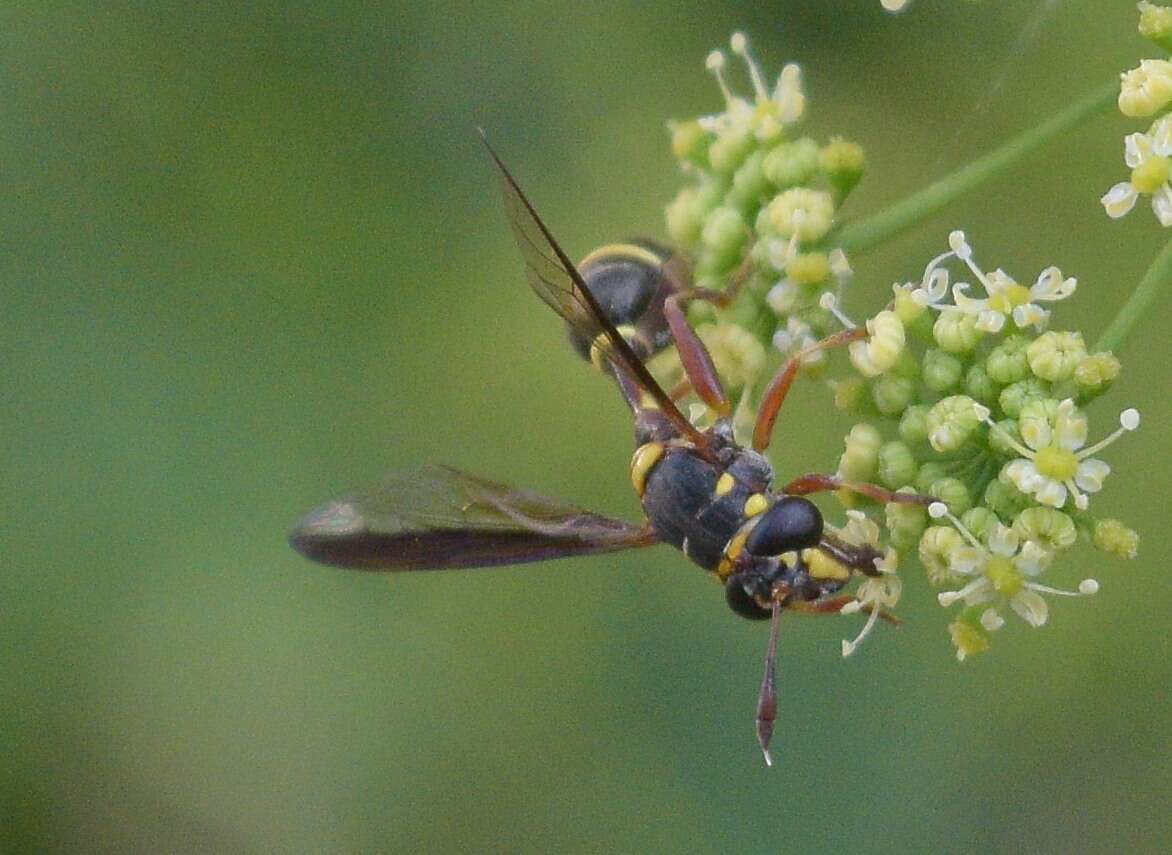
(733, 549)
(622, 252)
(628, 333)
(643, 461)
(755, 504)
(822, 567)
(725, 484)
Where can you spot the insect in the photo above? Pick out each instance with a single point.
(701, 491)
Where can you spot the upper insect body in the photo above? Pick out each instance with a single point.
(719, 508)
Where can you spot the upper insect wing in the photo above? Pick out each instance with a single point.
(559, 284)
(437, 518)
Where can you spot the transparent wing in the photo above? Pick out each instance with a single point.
(559, 284)
(437, 518)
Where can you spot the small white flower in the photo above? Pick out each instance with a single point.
(1148, 155)
(894, 5)
(768, 112)
(883, 346)
(1004, 297)
(876, 593)
(798, 335)
(1147, 89)
(1002, 570)
(1053, 462)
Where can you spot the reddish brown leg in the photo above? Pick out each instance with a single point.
(694, 355)
(835, 605)
(778, 387)
(815, 483)
(680, 389)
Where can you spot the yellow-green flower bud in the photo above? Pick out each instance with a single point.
(810, 268)
(685, 218)
(1095, 373)
(1114, 538)
(908, 309)
(792, 163)
(860, 457)
(1054, 356)
(749, 187)
(1007, 362)
(1017, 395)
(937, 544)
(953, 493)
(689, 142)
(850, 395)
(956, 332)
(905, 523)
(807, 213)
(842, 162)
(929, 474)
(942, 371)
(978, 521)
(980, 386)
(738, 355)
(913, 424)
(1146, 90)
(723, 236)
(882, 349)
(1155, 24)
(1047, 527)
(1004, 499)
(729, 150)
(897, 464)
(968, 638)
(892, 394)
(951, 422)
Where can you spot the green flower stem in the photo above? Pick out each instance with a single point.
(859, 237)
(1140, 301)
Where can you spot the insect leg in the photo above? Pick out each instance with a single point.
(778, 387)
(816, 483)
(767, 699)
(694, 356)
(834, 605)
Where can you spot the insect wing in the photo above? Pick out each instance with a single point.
(438, 518)
(559, 284)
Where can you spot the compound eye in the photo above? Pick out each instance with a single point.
(792, 523)
(740, 601)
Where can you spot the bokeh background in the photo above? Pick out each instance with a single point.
(253, 256)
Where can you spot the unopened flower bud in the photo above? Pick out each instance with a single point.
(952, 421)
(792, 163)
(1114, 538)
(1155, 24)
(729, 150)
(897, 464)
(750, 187)
(1017, 395)
(942, 371)
(1054, 356)
(860, 456)
(892, 394)
(1147, 89)
(978, 521)
(956, 332)
(723, 236)
(1007, 362)
(953, 493)
(882, 349)
(980, 386)
(842, 162)
(913, 424)
(1095, 373)
(905, 523)
(850, 395)
(689, 142)
(1004, 499)
(968, 638)
(1047, 527)
(807, 213)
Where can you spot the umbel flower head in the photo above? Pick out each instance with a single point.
(1145, 91)
(760, 203)
(965, 396)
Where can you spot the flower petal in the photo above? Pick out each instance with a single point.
(1002, 540)
(1162, 205)
(1119, 200)
(1052, 493)
(1030, 606)
(1090, 475)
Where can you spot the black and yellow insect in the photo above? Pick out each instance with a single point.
(701, 491)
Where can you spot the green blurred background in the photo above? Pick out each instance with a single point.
(253, 256)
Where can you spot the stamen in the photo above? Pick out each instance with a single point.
(715, 64)
(947, 598)
(964, 252)
(1080, 499)
(1008, 437)
(938, 510)
(1128, 421)
(829, 302)
(740, 46)
(849, 647)
(1086, 588)
(788, 93)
